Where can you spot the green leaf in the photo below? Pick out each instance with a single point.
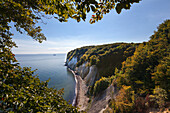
(118, 8)
(78, 19)
(93, 8)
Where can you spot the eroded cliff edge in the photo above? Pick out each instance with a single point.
(88, 73)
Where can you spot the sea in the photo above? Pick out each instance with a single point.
(51, 66)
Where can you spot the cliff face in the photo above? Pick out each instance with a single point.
(72, 63)
(88, 73)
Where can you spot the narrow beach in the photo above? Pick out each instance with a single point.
(80, 100)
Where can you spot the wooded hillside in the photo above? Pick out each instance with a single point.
(106, 57)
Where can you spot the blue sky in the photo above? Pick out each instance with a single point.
(134, 25)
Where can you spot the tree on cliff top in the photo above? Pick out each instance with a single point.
(19, 90)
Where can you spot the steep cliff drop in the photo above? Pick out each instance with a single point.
(88, 73)
(85, 76)
(89, 64)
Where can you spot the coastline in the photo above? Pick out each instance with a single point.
(80, 99)
(74, 100)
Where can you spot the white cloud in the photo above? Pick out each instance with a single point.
(53, 48)
(57, 45)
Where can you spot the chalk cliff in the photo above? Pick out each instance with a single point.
(88, 73)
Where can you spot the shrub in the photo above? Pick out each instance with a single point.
(159, 96)
(124, 101)
(93, 60)
(101, 85)
(140, 105)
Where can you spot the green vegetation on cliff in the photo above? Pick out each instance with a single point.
(106, 57)
(147, 73)
(150, 64)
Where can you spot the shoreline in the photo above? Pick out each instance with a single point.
(75, 97)
(80, 99)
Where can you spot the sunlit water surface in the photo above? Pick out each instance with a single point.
(51, 66)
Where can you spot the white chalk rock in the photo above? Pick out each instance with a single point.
(91, 76)
(72, 63)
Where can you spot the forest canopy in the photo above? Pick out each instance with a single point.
(146, 73)
(106, 57)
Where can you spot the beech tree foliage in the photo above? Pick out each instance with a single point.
(26, 13)
(144, 78)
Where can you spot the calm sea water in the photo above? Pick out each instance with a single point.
(50, 66)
